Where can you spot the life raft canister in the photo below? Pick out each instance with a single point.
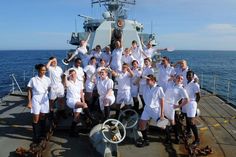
(120, 23)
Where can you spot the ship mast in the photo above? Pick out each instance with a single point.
(115, 7)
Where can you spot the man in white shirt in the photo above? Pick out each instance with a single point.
(166, 73)
(153, 96)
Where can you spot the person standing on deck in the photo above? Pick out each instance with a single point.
(96, 53)
(106, 55)
(135, 84)
(75, 100)
(190, 110)
(174, 93)
(90, 71)
(153, 96)
(105, 91)
(38, 101)
(181, 68)
(57, 89)
(147, 70)
(116, 55)
(124, 86)
(137, 53)
(166, 72)
(127, 57)
(149, 49)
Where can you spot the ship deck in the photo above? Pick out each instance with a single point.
(217, 128)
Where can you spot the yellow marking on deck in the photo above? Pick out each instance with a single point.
(216, 125)
(203, 129)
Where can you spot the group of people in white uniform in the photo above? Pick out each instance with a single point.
(162, 88)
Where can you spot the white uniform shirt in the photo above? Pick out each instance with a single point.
(107, 57)
(73, 89)
(103, 86)
(116, 59)
(164, 75)
(97, 55)
(149, 52)
(127, 59)
(146, 71)
(137, 54)
(39, 85)
(55, 74)
(179, 71)
(174, 94)
(79, 72)
(152, 96)
(192, 88)
(82, 54)
(89, 70)
(137, 74)
(124, 81)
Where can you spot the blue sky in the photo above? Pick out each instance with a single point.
(183, 24)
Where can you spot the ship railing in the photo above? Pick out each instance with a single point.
(215, 84)
(18, 83)
(219, 86)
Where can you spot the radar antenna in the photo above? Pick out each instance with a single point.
(115, 7)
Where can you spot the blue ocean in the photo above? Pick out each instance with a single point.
(215, 69)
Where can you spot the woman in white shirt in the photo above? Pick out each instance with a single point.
(38, 101)
(105, 91)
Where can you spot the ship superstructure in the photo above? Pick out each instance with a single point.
(115, 23)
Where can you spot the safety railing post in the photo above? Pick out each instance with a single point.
(214, 84)
(13, 85)
(202, 80)
(228, 91)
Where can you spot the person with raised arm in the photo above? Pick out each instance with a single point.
(81, 51)
(123, 79)
(57, 89)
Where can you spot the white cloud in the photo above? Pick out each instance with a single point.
(210, 37)
(221, 28)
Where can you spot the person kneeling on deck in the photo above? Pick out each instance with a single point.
(105, 91)
(124, 85)
(190, 109)
(153, 96)
(75, 100)
(38, 101)
(174, 93)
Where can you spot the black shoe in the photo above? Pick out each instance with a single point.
(74, 134)
(167, 141)
(142, 143)
(196, 143)
(177, 140)
(188, 134)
